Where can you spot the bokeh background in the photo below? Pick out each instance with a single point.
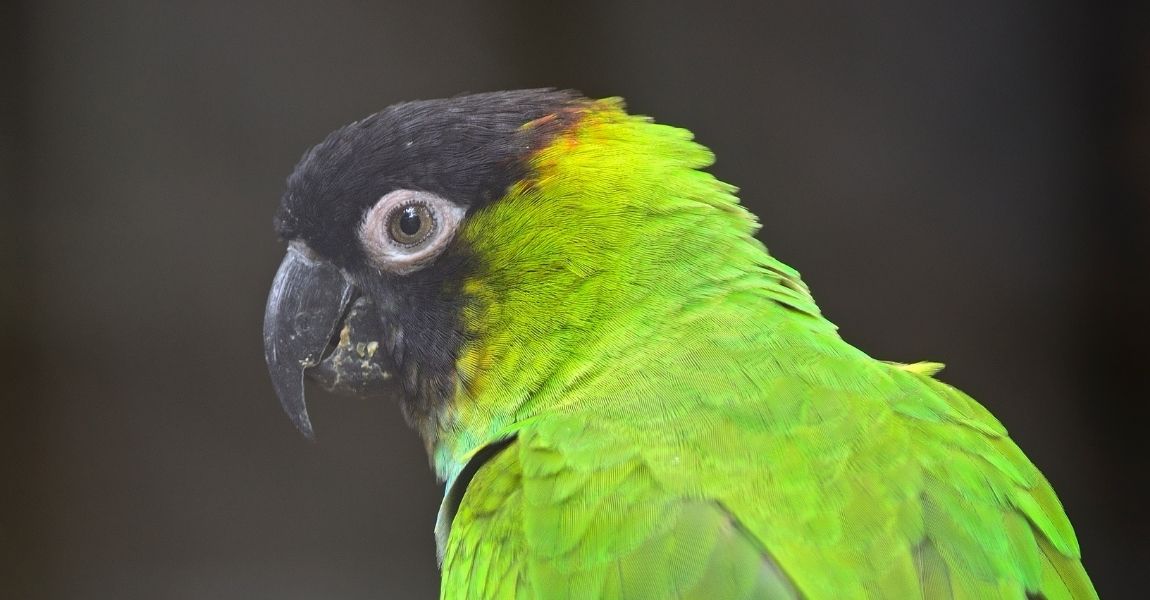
(964, 183)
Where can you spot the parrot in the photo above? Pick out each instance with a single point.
(623, 392)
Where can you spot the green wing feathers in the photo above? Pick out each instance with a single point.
(992, 524)
(933, 502)
(484, 556)
(543, 532)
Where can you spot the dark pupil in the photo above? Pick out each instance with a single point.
(409, 221)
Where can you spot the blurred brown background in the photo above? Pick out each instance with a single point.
(966, 184)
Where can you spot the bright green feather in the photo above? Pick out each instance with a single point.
(687, 425)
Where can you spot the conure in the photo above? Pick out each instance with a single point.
(625, 394)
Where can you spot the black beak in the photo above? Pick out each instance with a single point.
(308, 304)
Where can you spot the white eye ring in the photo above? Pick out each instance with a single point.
(385, 236)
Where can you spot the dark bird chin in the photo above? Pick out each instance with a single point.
(316, 324)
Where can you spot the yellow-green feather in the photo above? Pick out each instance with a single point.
(687, 425)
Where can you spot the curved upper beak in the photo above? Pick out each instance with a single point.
(308, 324)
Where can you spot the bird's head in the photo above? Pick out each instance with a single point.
(441, 248)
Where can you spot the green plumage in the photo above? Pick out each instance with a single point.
(684, 423)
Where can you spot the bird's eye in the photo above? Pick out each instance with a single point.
(406, 229)
(411, 224)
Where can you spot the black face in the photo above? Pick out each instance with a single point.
(467, 149)
(459, 153)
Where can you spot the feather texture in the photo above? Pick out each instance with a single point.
(686, 423)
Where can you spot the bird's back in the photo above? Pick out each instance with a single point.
(755, 442)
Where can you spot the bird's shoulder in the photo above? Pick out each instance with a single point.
(876, 480)
(561, 511)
